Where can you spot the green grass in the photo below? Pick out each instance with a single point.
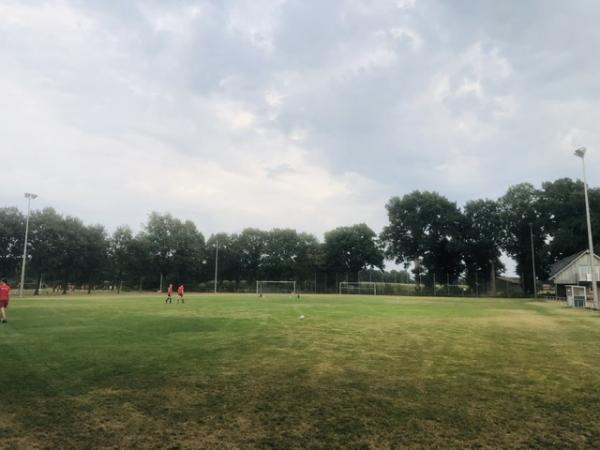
(238, 371)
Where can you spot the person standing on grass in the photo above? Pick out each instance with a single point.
(169, 293)
(180, 293)
(4, 298)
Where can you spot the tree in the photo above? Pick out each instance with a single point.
(93, 255)
(140, 261)
(562, 205)
(281, 251)
(309, 257)
(482, 241)
(189, 251)
(351, 249)
(158, 233)
(12, 227)
(119, 254)
(46, 227)
(251, 247)
(520, 207)
(71, 244)
(176, 247)
(427, 227)
(229, 259)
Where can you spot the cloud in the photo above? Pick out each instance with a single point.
(301, 114)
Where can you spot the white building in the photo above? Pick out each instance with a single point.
(574, 270)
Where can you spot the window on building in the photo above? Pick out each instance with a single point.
(585, 274)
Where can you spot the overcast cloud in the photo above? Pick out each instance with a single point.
(303, 114)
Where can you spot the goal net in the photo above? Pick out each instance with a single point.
(358, 287)
(396, 288)
(275, 287)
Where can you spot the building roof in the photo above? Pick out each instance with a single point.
(513, 280)
(562, 264)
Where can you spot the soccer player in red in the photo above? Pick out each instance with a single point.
(169, 293)
(4, 298)
(180, 293)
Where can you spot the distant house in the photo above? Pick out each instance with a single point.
(574, 270)
(509, 286)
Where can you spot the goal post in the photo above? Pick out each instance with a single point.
(275, 287)
(358, 287)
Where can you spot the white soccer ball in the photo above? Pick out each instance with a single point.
(302, 317)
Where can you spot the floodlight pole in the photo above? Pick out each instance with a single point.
(533, 261)
(29, 196)
(580, 153)
(216, 264)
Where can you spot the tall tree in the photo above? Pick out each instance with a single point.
(70, 246)
(46, 228)
(141, 259)
(251, 246)
(93, 255)
(189, 252)
(229, 261)
(427, 227)
(562, 205)
(482, 241)
(309, 257)
(351, 249)
(282, 251)
(120, 255)
(12, 228)
(522, 216)
(158, 233)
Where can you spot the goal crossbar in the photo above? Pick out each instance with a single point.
(358, 287)
(260, 285)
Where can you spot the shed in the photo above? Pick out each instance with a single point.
(509, 286)
(574, 270)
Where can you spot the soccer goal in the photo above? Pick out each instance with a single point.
(358, 287)
(275, 287)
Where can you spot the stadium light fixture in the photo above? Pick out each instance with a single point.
(580, 153)
(29, 196)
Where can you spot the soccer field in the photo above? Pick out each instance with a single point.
(239, 371)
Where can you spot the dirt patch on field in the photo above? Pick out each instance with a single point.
(517, 319)
(14, 436)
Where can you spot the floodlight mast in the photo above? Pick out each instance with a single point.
(580, 153)
(533, 260)
(216, 265)
(29, 196)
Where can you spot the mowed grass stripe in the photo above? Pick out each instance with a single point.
(239, 371)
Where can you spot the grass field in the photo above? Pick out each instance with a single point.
(358, 372)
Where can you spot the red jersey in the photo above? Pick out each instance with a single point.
(170, 290)
(4, 291)
(180, 290)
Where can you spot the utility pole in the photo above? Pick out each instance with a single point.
(533, 261)
(493, 276)
(29, 196)
(580, 153)
(216, 264)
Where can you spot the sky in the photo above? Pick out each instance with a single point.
(302, 114)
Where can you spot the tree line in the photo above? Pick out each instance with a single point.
(432, 236)
(448, 242)
(63, 251)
